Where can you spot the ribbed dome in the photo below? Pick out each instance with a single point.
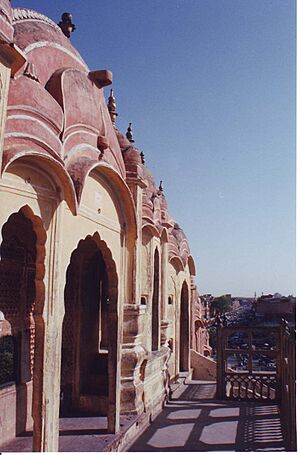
(40, 37)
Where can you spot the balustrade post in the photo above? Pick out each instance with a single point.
(220, 364)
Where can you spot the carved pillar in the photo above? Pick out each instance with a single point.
(136, 185)
(45, 408)
(164, 324)
(133, 355)
(47, 367)
(193, 304)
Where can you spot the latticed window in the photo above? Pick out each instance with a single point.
(7, 360)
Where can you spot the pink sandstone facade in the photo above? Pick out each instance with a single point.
(97, 280)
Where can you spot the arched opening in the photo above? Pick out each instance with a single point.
(184, 329)
(155, 303)
(17, 344)
(89, 344)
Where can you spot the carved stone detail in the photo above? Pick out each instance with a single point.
(21, 14)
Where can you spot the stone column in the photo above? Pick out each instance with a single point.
(193, 303)
(136, 186)
(46, 399)
(164, 323)
(133, 355)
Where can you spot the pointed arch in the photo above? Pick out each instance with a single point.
(164, 236)
(122, 193)
(177, 263)
(184, 333)
(91, 339)
(155, 301)
(54, 169)
(151, 229)
(191, 265)
(34, 338)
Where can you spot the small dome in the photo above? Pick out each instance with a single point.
(123, 141)
(178, 233)
(132, 156)
(149, 178)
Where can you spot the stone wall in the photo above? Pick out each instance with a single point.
(203, 367)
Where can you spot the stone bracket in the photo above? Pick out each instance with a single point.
(11, 56)
(101, 78)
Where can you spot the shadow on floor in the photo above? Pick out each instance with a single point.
(192, 421)
(195, 421)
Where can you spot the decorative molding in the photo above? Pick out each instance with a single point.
(21, 14)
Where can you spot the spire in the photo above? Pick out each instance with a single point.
(66, 24)
(112, 107)
(129, 134)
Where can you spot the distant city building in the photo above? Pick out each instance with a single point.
(274, 307)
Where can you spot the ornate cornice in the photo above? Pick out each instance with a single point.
(21, 14)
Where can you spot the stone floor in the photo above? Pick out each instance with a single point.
(77, 434)
(192, 421)
(195, 421)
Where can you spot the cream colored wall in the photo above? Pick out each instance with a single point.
(88, 222)
(101, 214)
(24, 186)
(176, 279)
(171, 314)
(28, 185)
(149, 244)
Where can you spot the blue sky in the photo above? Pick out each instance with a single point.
(209, 86)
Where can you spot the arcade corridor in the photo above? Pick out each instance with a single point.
(192, 421)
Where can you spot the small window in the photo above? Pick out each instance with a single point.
(143, 301)
(170, 300)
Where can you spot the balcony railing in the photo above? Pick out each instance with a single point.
(258, 364)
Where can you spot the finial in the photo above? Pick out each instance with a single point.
(112, 106)
(142, 157)
(66, 24)
(129, 134)
(161, 188)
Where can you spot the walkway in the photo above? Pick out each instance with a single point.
(194, 421)
(77, 434)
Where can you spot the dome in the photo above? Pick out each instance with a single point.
(123, 141)
(46, 91)
(132, 156)
(43, 42)
(148, 177)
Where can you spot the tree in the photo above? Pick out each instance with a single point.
(220, 305)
